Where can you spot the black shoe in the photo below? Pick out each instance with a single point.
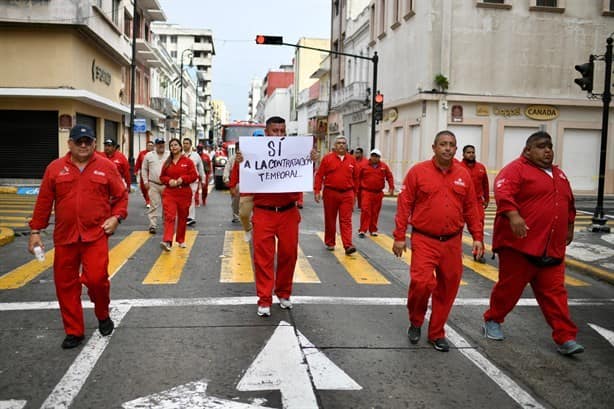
(440, 344)
(350, 250)
(361, 235)
(72, 341)
(106, 326)
(190, 222)
(414, 334)
(152, 230)
(235, 220)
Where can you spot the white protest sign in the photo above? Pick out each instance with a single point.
(274, 164)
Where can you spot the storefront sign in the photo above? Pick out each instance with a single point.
(333, 127)
(507, 112)
(482, 110)
(100, 74)
(542, 112)
(65, 122)
(140, 124)
(391, 115)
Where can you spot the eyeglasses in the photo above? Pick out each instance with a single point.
(84, 141)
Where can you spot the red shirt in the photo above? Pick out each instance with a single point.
(204, 156)
(83, 200)
(122, 165)
(139, 161)
(233, 180)
(275, 199)
(336, 173)
(545, 203)
(373, 177)
(437, 202)
(184, 169)
(479, 176)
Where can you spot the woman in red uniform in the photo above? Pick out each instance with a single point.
(177, 173)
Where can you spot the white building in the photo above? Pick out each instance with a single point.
(177, 40)
(505, 71)
(253, 97)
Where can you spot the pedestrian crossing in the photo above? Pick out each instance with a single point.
(236, 262)
(583, 220)
(16, 210)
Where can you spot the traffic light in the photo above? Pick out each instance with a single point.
(270, 40)
(378, 108)
(586, 82)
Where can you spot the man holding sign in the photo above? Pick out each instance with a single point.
(272, 168)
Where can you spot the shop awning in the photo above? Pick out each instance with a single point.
(84, 96)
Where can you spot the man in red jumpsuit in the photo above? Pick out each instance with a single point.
(337, 174)
(118, 158)
(479, 176)
(90, 200)
(204, 156)
(534, 223)
(372, 176)
(137, 170)
(360, 161)
(437, 198)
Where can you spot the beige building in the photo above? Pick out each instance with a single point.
(493, 72)
(64, 63)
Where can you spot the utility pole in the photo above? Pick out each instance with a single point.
(278, 40)
(132, 91)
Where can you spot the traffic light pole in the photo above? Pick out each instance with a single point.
(132, 96)
(599, 220)
(276, 40)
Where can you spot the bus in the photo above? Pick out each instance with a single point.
(226, 146)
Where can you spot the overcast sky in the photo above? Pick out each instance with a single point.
(235, 24)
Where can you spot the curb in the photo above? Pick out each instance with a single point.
(593, 271)
(6, 235)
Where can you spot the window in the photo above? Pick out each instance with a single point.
(372, 25)
(163, 38)
(382, 19)
(115, 12)
(174, 54)
(173, 39)
(396, 13)
(608, 8)
(554, 6)
(127, 24)
(409, 9)
(336, 7)
(197, 39)
(494, 4)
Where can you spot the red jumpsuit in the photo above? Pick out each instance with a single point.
(479, 176)
(83, 200)
(437, 203)
(546, 203)
(275, 217)
(137, 168)
(359, 163)
(371, 181)
(176, 200)
(338, 178)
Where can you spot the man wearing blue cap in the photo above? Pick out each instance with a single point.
(90, 200)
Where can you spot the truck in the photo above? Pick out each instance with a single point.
(226, 146)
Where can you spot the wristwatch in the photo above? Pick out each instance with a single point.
(119, 218)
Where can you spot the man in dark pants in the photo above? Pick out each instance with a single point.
(90, 200)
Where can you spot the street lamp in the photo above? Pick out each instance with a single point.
(181, 90)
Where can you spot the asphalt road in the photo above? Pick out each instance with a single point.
(198, 342)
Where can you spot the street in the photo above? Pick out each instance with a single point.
(188, 336)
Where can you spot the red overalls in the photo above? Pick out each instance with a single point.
(437, 203)
(546, 203)
(176, 200)
(338, 178)
(83, 201)
(371, 181)
(137, 168)
(479, 176)
(276, 224)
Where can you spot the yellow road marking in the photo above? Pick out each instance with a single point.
(386, 243)
(15, 218)
(15, 210)
(485, 270)
(361, 271)
(487, 247)
(26, 272)
(3, 224)
(120, 254)
(169, 266)
(303, 272)
(237, 262)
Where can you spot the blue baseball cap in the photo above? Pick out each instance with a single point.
(258, 132)
(80, 131)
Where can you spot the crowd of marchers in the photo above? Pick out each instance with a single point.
(533, 225)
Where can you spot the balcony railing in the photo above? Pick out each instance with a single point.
(355, 92)
(320, 108)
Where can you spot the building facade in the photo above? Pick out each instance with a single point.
(493, 72)
(253, 97)
(65, 63)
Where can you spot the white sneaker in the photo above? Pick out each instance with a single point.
(264, 311)
(285, 303)
(182, 245)
(166, 246)
(248, 236)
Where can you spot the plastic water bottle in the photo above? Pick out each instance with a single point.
(39, 253)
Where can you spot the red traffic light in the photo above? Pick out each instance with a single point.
(379, 98)
(271, 40)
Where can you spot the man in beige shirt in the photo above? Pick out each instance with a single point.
(150, 172)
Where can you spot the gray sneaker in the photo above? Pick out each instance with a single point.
(493, 330)
(285, 303)
(264, 311)
(569, 348)
(414, 334)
